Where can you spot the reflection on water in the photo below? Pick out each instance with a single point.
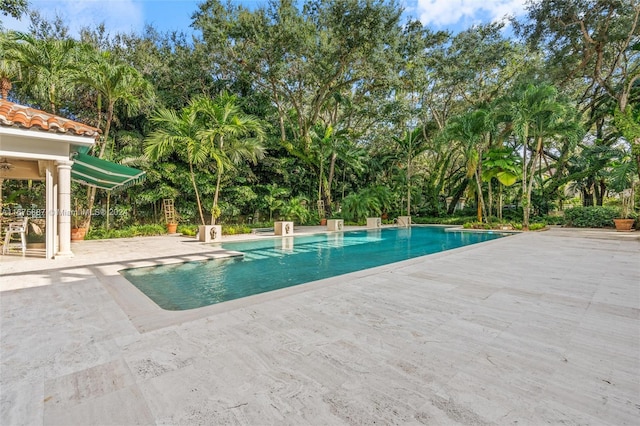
(374, 234)
(284, 244)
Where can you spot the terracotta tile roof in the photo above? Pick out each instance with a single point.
(15, 115)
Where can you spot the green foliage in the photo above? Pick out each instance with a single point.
(235, 229)
(535, 226)
(130, 231)
(333, 85)
(296, 210)
(188, 230)
(476, 225)
(274, 198)
(14, 8)
(512, 214)
(357, 207)
(550, 220)
(591, 217)
(444, 220)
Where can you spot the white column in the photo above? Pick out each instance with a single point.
(64, 208)
(51, 214)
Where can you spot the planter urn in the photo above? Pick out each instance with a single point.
(78, 234)
(624, 225)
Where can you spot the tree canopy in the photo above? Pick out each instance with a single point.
(329, 107)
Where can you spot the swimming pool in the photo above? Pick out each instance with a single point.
(275, 263)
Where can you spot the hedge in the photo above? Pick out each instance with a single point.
(591, 217)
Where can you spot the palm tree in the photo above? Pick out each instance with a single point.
(180, 133)
(334, 145)
(359, 206)
(9, 70)
(296, 209)
(115, 83)
(538, 115)
(502, 164)
(471, 129)
(48, 66)
(273, 200)
(230, 136)
(412, 144)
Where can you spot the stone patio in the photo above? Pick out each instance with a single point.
(535, 328)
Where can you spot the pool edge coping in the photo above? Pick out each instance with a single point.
(146, 316)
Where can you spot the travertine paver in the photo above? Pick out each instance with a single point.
(539, 328)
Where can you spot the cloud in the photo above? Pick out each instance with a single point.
(118, 15)
(446, 13)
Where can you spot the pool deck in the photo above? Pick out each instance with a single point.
(536, 328)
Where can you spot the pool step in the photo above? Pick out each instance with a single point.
(302, 248)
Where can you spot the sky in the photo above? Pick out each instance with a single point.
(175, 15)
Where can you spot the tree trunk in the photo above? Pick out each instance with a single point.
(91, 192)
(601, 190)
(215, 197)
(490, 200)
(409, 180)
(195, 188)
(499, 202)
(218, 180)
(523, 197)
(587, 197)
(332, 168)
(5, 87)
(482, 213)
(534, 158)
(457, 194)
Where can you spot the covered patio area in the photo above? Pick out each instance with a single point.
(39, 146)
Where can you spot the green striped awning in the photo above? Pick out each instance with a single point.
(103, 174)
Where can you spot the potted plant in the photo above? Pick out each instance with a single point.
(172, 227)
(623, 181)
(78, 227)
(624, 223)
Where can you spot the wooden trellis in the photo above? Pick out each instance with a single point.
(321, 208)
(169, 211)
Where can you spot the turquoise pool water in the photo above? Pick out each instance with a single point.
(275, 263)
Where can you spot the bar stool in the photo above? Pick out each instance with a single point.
(16, 228)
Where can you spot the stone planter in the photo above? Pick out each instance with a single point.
(624, 225)
(374, 222)
(335, 224)
(283, 228)
(209, 233)
(404, 221)
(78, 234)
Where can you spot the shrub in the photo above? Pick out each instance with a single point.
(476, 225)
(550, 220)
(536, 226)
(296, 210)
(448, 220)
(591, 217)
(188, 230)
(357, 207)
(235, 229)
(126, 232)
(512, 214)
